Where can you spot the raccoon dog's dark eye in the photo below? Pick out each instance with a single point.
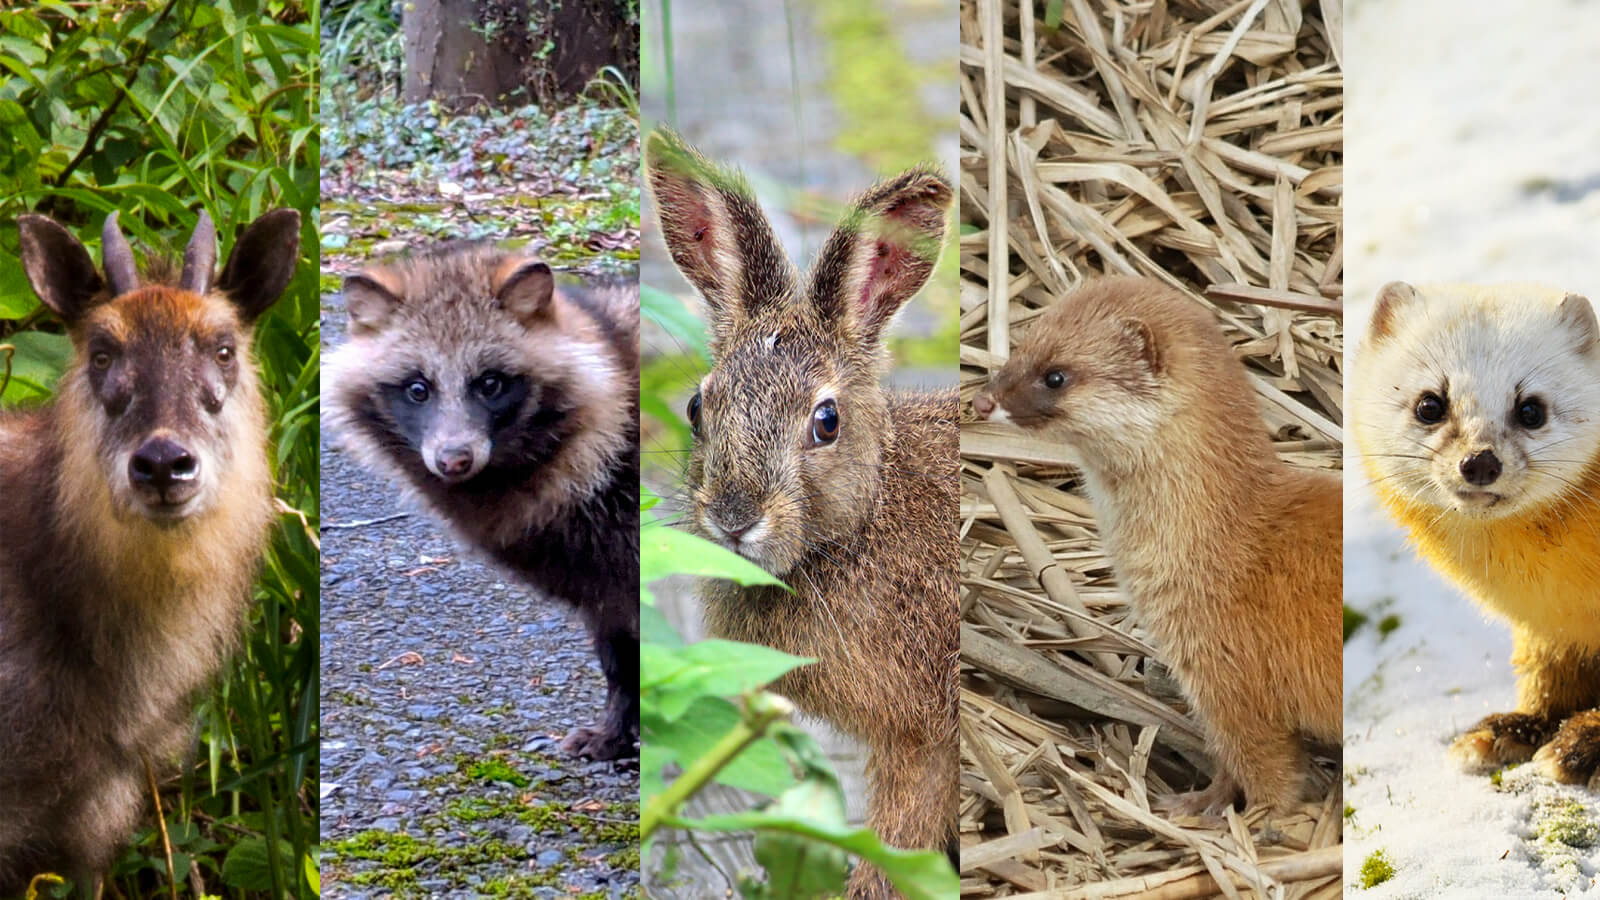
(417, 391)
(824, 423)
(1055, 379)
(1430, 409)
(491, 386)
(694, 413)
(1530, 413)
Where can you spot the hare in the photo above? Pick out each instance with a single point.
(804, 464)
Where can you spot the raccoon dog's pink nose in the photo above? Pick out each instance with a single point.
(454, 460)
(983, 405)
(161, 462)
(1481, 468)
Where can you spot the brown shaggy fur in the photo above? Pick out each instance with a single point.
(1232, 558)
(114, 617)
(862, 527)
(556, 500)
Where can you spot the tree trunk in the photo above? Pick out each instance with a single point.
(509, 52)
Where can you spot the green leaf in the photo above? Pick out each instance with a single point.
(763, 767)
(248, 866)
(797, 865)
(667, 551)
(681, 325)
(38, 361)
(676, 677)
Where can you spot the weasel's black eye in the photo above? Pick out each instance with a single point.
(694, 413)
(824, 423)
(1055, 379)
(1530, 413)
(491, 386)
(417, 391)
(1430, 409)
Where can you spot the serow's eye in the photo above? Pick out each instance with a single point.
(1055, 379)
(694, 413)
(824, 423)
(491, 386)
(1430, 409)
(1530, 413)
(417, 391)
(225, 355)
(100, 360)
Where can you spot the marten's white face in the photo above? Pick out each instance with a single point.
(1484, 401)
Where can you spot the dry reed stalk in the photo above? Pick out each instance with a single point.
(1195, 142)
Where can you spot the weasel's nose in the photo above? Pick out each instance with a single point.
(983, 405)
(1481, 468)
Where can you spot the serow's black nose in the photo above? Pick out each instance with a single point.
(161, 463)
(1481, 468)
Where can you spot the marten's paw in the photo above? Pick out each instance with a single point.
(1500, 740)
(1573, 755)
(599, 744)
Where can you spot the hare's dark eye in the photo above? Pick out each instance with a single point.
(694, 413)
(1430, 409)
(1055, 379)
(824, 423)
(417, 391)
(1530, 413)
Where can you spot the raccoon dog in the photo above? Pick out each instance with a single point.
(135, 509)
(509, 407)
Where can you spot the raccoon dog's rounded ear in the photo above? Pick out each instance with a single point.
(524, 288)
(1578, 314)
(371, 297)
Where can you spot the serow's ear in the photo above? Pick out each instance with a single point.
(371, 297)
(715, 231)
(59, 268)
(262, 263)
(524, 288)
(1395, 299)
(1142, 341)
(882, 253)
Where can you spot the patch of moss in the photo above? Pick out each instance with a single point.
(1349, 811)
(1353, 620)
(493, 769)
(1387, 624)
(1567, 822)
(1376, 869)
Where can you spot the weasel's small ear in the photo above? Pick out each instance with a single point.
(524, 288)
(372, 297)
(59, 268)
(1393, 298)
(1578, 314)
(1143, 342)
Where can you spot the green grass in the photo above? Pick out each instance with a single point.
(1376, 869)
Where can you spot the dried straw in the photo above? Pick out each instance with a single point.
(1195, 142)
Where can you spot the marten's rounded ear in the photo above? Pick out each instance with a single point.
(59, 268)
(371, 297)
(262, 263)
(524, 288)
(1143, 341)
(1578, 314)
(1393, 298)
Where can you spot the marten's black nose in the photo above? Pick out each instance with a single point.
(1481, 468)
(161, 463)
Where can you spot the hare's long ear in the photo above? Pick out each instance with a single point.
(59, 268)
(882, 253)
(715, 231)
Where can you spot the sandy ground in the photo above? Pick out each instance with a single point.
(1469, 158)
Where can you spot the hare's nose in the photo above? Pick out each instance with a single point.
(983, 405)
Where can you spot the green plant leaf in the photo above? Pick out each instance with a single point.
(763, 767)
(676, 677)
(684, 328)
(247, 866)
(667, 551)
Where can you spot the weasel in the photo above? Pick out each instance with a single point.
(1477, 414)
(1231, 558)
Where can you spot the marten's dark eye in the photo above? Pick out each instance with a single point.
(417, 391)
(1055, 379)
(225, 355)
(491, 386)
(694, 413)
(824, 423)
(1530, 413)
(1430, 409)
